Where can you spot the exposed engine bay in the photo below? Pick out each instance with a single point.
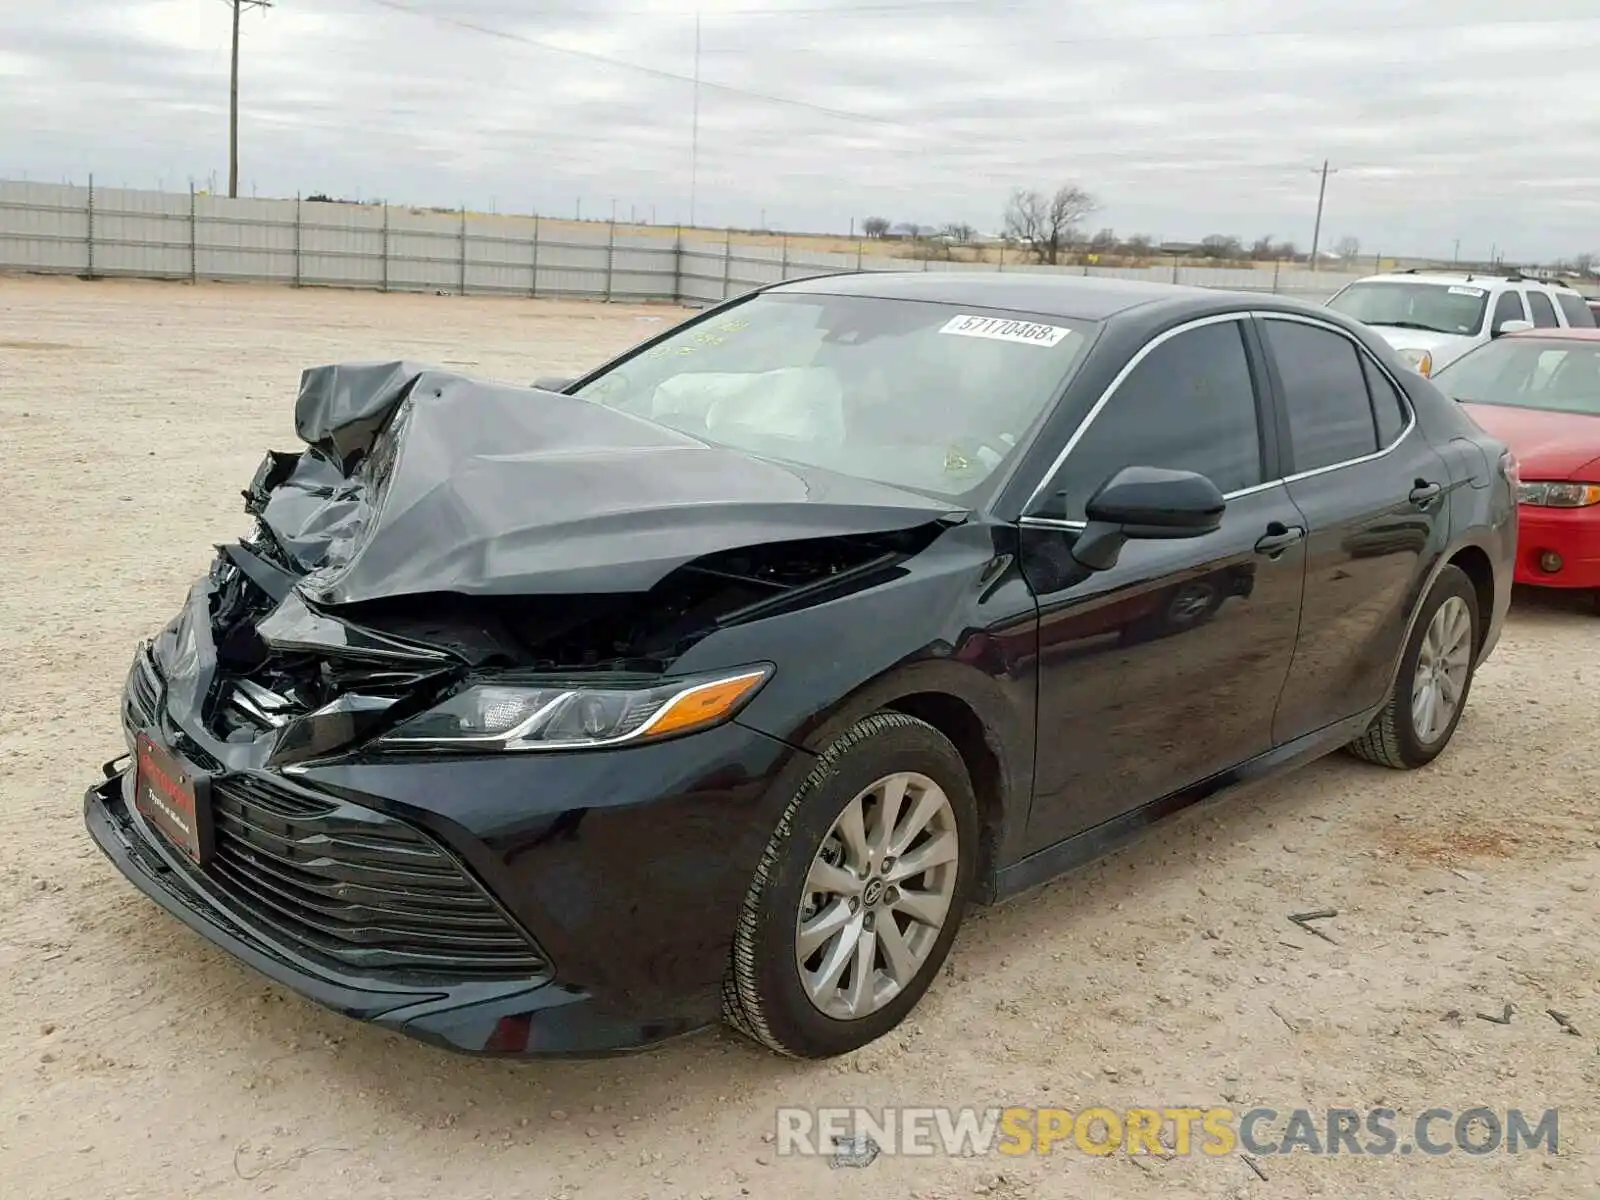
(450, 483)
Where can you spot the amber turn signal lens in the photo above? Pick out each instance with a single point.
(704, 705)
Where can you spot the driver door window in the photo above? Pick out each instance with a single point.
(1189, 405)
(1507, 308)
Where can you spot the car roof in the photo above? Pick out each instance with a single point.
(1558, 333)
(1479, 279)
(1080, 297)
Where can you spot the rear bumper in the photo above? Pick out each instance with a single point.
(1571, 533)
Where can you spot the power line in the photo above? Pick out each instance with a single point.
(639, 68)
(1044, 9)
(698, 82)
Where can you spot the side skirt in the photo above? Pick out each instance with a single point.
(1045, 865)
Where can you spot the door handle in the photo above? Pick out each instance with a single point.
(1423, 493)
(1278, 538)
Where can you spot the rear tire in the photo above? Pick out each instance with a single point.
(1435, 676)
(835, 889)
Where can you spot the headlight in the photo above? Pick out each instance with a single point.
(1559, 495)
(569, 714)
(1421, 360)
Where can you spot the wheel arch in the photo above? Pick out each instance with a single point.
(1475, 559)
(970, 709)
(1475, 562)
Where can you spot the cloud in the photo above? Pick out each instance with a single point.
(1444, 120)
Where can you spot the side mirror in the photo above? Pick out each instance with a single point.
(1146, 503)
(553, 383)
(1512, 327)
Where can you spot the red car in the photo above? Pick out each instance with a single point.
(1539, 393)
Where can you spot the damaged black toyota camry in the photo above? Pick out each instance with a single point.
(721, 681)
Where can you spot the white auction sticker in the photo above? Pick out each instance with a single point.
(1005, 329)
(1466, 291)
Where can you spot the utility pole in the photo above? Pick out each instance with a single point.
(1322, 192)
(694, 135)
(233, 94)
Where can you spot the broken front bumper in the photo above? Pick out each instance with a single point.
(530, 1016)
(593, 896)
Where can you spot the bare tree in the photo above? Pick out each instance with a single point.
(1222, 246)
(1584, 263)
(875, 227)
(1347, 246)
(1046, 225)
(959, 232)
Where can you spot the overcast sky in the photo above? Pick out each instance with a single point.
(1446, 119)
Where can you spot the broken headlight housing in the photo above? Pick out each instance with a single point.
(567, 714)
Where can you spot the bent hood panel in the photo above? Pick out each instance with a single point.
(426, 481)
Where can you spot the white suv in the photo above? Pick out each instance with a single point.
(1434, 317)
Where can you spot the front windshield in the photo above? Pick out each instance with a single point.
(1439, 307)
(931, 397)
(1545, 373)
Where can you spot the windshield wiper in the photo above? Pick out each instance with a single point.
(1412, 325)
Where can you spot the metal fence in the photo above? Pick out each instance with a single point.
(107, 232)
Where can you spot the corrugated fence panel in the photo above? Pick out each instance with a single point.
(569, 266)
(244, 239)
(500, 254)
(643, 267)
(341, 245)
(44, 227)
(703, 271)
(424, 250)
(114, 231)
(147, 235)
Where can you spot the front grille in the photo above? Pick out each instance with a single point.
(358, 889)
(144, 689)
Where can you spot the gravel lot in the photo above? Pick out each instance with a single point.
(136, 1061)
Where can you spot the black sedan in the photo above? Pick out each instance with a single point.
(717, 683)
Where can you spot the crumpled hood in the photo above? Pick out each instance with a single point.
(419, 480)
(1444, 347)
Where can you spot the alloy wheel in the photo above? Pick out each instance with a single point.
(876, 895)
(1443, 660)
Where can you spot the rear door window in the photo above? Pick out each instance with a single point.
(1325, 393)
(1544, 313)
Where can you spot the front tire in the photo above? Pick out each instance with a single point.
(859, 893)
(1430, 689)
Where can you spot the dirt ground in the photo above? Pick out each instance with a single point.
(135, 1061)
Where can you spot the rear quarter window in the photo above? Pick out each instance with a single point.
(1577, 311)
